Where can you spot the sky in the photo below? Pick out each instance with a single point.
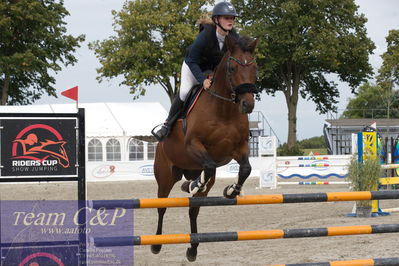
(94, 19)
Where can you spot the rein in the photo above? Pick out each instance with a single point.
(235, 90)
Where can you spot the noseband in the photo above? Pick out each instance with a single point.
(236, 90)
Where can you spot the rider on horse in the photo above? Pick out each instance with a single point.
(203, 55)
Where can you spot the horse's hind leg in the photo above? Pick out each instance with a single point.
(161, 212)
(166, 178)
(193, 212)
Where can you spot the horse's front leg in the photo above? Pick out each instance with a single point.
(198, 151)
(245, 170)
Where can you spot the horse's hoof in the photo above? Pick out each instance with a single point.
(185, 187)
(225, 193)
(155, 249)
(231, 192)
(191, 254)
(192, 188)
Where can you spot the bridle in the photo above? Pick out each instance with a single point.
(239, 89)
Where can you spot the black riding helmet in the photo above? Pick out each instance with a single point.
(223, 9)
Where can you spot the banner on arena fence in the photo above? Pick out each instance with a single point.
(38, 147)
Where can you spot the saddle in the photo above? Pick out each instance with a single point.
(189, 103)
(191, 100)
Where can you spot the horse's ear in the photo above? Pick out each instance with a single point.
(252, 46)
(230, 43)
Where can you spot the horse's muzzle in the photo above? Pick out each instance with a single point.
(246, 107)
(246, 103)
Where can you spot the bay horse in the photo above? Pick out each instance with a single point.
(216, 131)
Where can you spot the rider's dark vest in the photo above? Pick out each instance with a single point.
(212, 55)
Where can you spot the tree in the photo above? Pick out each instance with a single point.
(379, 100)
(371, 101)
(389, 72)
(151, 41)
(301, 43)
(33, 42)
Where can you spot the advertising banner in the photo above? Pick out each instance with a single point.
(38, 147)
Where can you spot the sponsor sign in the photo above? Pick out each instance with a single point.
(103, 171)
(38, 147)
(233, 167)
(147, 170)
(40, 255)
(267, 145)
(268, 179)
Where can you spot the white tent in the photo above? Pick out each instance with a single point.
(106, 119)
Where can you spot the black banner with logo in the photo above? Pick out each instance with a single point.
(38, 147)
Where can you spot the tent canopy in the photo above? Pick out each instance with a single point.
(106, 119)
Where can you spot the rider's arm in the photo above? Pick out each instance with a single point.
(194, 56)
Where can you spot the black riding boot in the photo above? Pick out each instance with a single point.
(174, 112)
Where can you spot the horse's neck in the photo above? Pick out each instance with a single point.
(222, 108)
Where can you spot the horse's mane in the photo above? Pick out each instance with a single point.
(244, 43)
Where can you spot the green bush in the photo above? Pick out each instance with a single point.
(364, 176)
(283, 150)
(313, 143)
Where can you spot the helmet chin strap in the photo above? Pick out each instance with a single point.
(220, 26)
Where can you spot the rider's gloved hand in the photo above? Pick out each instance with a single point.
(207, 83)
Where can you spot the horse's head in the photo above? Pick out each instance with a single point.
(241, 71)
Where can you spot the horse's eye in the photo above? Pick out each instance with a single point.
(231, 69)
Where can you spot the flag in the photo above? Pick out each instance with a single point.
(71, 93)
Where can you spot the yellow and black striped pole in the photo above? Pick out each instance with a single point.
(245, 200)
(244, 235)
(367, 262)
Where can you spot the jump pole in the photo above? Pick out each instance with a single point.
(245, 200)
(243, 235)
(367, 262)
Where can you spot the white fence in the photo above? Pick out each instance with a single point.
(300, 168)
(144, 170)
(270, 169)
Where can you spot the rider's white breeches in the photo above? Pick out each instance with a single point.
(187, 81)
